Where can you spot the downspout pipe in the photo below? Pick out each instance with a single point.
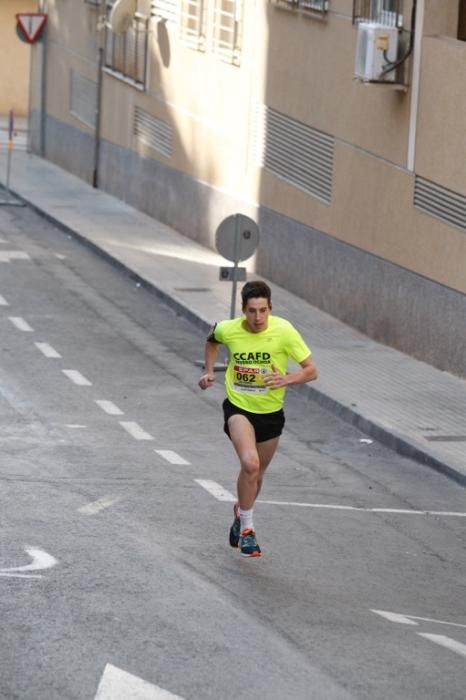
(416, 80)
(100, 74)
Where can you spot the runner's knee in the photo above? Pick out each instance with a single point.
(250, 464)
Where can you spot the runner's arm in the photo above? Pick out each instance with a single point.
(307, 373)
(210, 355)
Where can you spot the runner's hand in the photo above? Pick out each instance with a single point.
(206, 381)
(275, 379)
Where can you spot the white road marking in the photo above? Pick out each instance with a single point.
(446, 642)
(407, 619)
(40, 560)
(171, 457)
(3, 301)
(7, 256)
(395, 617)
(76, 377)
(97, 506)
(47, 350)
(135, 430)
(109, 407)
(216, 490)
(116, 684)
(75, 426)
(20, 323)
(60, 256)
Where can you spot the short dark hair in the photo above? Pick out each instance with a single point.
(254, 290)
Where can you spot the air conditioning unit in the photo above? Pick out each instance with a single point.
(376, 49)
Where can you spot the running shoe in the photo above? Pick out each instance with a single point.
(235, 529)
(248, 544)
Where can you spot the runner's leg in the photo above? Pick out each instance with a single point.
(266, 451)
(244, 441)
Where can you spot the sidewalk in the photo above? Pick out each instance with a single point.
(408, 405)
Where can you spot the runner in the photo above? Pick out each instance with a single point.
(259, 346)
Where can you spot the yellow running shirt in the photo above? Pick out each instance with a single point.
(252, 356)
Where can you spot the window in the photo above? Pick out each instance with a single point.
(387, 12)
(192, 23)
(228, 29)
(125, 55)
(165, 9)
(305, 6)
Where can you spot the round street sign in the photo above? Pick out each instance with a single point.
(237, 237)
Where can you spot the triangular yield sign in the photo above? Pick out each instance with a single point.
(32, 24)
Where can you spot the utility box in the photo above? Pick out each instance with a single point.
(376, 49)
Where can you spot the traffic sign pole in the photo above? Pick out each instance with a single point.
(11, 132)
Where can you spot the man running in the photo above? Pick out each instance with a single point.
(259, 346)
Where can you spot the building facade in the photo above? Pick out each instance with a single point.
(14, 59)
(205, 108)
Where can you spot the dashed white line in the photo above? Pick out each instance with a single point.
(171, 456)
(3, 301)
(60, 256)
(109, 407)
(446, 642)
(135, 430)
(7, 255)
(97, 506)
(76, 377)
(21, 324)
(47, 350)
(216, 490)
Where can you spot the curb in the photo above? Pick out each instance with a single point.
(395, 442)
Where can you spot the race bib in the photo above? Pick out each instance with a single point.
(248, 378)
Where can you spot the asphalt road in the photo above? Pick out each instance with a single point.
(116, 578)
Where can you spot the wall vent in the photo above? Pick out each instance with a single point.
(295, 152)
(153, 132)
(83, 98)
(440, 202)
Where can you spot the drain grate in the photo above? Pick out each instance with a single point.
(192, 289)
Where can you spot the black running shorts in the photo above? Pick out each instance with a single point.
(266, 425)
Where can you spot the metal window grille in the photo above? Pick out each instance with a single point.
(83, 98)
(165, 9)
(192, 23)
(386, 12)
(314, 6)
(94, 3)
(286, 4)
(125, 54)
(295, 152)
(227, 29)
(319, 7)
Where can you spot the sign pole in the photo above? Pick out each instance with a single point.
(235, 268)
(10, 201)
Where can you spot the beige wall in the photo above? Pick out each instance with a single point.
(14, 58)
(441, 134)
(301, 67)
